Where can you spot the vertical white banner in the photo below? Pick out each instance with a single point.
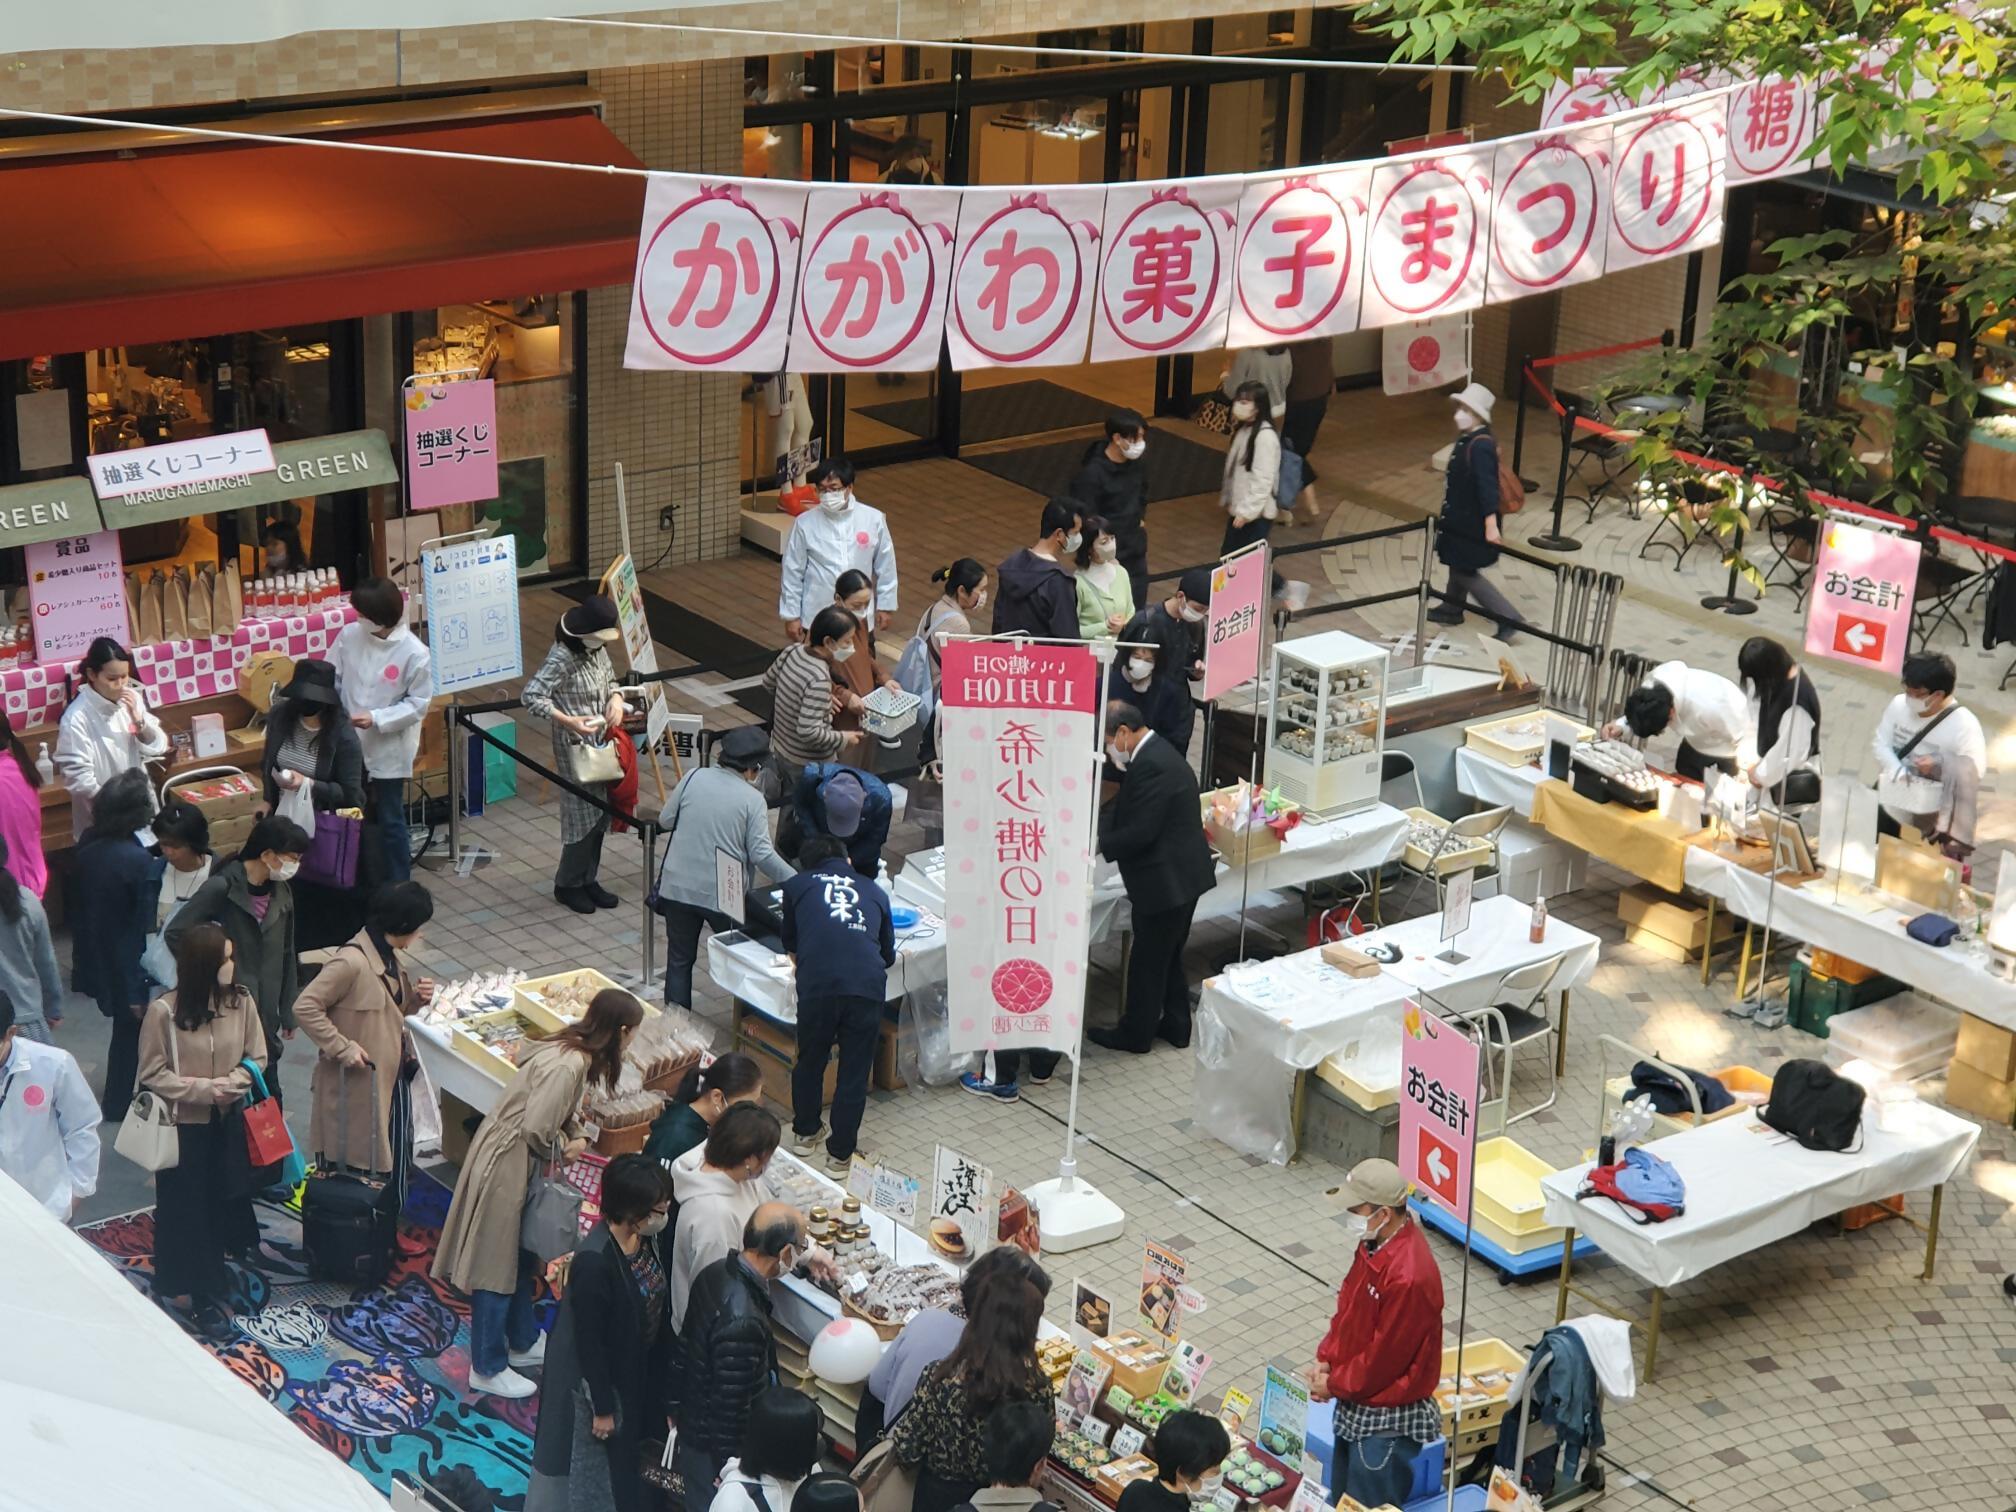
(1019, 728)
(1301, 257)
(1428, 238)
(1022, 276)
(1165, 268)
(1771, 124)
(717, 261)
(871, 288)
(1425, 354)
(1552, 198)
(1666, 178)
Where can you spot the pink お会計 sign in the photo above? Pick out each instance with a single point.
(1860, 606)
(1234, 621)
(1019, 731)
(451, 442)
(1438, 1109)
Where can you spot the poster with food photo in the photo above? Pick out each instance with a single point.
(1091, 1309)
(1161, 1279)
(965, 1206)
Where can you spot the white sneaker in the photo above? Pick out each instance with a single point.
(841, 1168)
(522, 1359)
(806, 1144)
(506, 1383)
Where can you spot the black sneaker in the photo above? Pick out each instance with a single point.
(1442, 614)
(600, 896)
(575, 898)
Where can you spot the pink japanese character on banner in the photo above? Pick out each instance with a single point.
(1022, 276)
(1771, 123)
(1550, 200)
(1666, 183)
(1301, 257)
(1165, 271)
(717, 262)
(1593, 95)
(871, 288)
(1426, 246)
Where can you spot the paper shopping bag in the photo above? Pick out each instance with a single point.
(135, 583)
(175, 606)
(152, 610)
(228, 605)
(202, 597)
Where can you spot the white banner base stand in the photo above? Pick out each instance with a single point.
(1074, 1214)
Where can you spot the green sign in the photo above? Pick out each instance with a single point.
(318, 465)
(47, 511)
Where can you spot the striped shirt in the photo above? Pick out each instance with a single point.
(802, 727)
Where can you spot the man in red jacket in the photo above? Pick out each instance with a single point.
(1383, 1354)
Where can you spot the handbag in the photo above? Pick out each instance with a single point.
(1903, 789)
(550, 1226)
(597, 761)
(266, 1138)
(1213, 413)
(331, 857)
(293, 1164)
(148, 1137)
(885, 1483)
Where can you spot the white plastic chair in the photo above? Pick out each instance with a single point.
(1517, 1015)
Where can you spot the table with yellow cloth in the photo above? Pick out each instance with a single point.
(1637, 840)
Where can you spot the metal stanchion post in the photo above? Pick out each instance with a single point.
(1421, 599)
(1726, 601)
(1519, 424)
(457, 755)
(648, 833)
(1554, 540)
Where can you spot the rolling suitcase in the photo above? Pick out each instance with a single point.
(349, 1215)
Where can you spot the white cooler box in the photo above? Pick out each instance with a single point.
(1532, 863)
(1902, 1037)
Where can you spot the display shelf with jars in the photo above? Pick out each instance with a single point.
(1326, 722)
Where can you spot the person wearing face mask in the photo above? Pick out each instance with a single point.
(1187, 1449)
(860, 671)
(953, 614)
(1467, 537)
(727, 1081)
(1174, 627)
(252, 898)
(1152, 832)
(1163, 702)
(1704, 709)
(106, 730)
(1383, 1354)
(1037, 596)
(609, 1360)
(116, 893)
(800, 681)
(839, 534)
(281, 543)
(1112, 483)
(1252, 468)
(387, 680)
(714, 811)
(718, 1186)
(539, 1115)
(1925, 732)
(729, 1405)
(354, 1013)
(574, 691)
(315, 766)
(193, 1045)
(48, 1120)
(1105, 596)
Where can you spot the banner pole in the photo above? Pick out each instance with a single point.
(1483, 1040)
(1263, 685)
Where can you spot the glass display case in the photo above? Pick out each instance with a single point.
(1326, 723)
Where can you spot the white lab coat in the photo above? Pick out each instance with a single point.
(392, 680)
(1710, 712)
(822, 546)
(48, 1125)
(96, 742)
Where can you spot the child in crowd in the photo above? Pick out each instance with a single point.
(1188, 1447)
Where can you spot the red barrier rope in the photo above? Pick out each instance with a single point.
(1594, 352)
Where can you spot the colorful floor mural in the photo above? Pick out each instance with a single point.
(378, 1377)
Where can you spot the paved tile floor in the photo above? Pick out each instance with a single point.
(1817, 1373)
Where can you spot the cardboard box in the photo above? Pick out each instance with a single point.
(1827, 964)
(1972, 1091)
(1138, 1362)
(886, 1078)
(775, 1049)
(1987, 1048)
(1671, 917)
(1658, 944)
(1350, 961)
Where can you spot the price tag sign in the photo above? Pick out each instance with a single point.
(1128, 1440)
(1121, 1400)
(1095, 1430)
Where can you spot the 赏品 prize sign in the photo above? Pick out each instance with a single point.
(1020, 729)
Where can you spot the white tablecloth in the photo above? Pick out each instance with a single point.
(1748, 1186)
(452, 1073)
(1955, 974)
(1258, 1023)
(762, 977)
(1492, 782)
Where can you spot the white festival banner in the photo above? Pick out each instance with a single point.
(1666, 183)
(717, 263)
(1430, 237)
(1301, 257)
(1020, 726)
(1023, 270)
(871, 289)
(1550, 202)
(1165, 268)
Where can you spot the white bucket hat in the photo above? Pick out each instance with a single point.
(1475, 398)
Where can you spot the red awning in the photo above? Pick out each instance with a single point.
(201, 241)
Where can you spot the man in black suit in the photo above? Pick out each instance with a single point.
(1154, 829)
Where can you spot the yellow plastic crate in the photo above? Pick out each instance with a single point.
(1458, 855)
(1735, 1078)
(1507, 1192)
(1477, 1425)
(467, 1043)
(528, 999)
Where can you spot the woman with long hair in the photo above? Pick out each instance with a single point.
(963, 594)
(1785, 711)
(106, 730)
(252, 897)
(574, 691)
(1105, 593)
(114, 889)
(539, 1115)
(1252, 467)
(21, 811)
(28, 974)
(193, 1045)
(698, 1103)
(857, 670)
(313, 767)
(608, 1379)
(182, 865)
(940, 1437)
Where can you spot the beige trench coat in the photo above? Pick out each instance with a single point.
(351, 1002)
(538, 1112)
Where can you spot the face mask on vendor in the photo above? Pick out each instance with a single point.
(836, 500)
(1369, 1226)
(1923, 705)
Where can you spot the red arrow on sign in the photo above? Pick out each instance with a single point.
(1860, 638)
(1438, 1166)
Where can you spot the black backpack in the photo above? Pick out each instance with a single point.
(1815, 1104)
